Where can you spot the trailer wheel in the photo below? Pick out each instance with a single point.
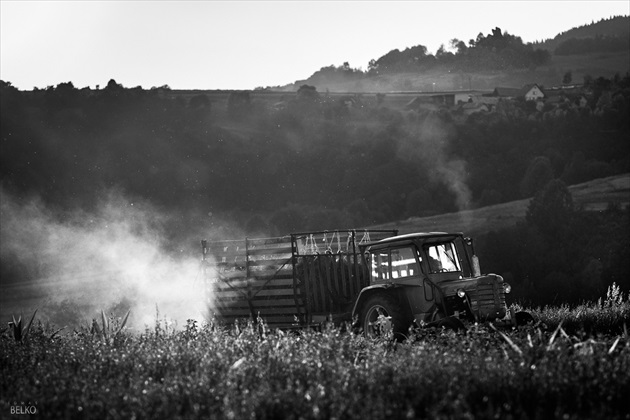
(381, 314)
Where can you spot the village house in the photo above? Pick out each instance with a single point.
(448, 99)
(531, 92)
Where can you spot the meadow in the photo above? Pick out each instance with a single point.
(572, 363)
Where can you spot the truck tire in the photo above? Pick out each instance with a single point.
(381, 314)
(524, 318)
(451, 323)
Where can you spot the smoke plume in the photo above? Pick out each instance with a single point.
(429, 145)
(110, 258)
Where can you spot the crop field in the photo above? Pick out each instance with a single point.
(572, 363)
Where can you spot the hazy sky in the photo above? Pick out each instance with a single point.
(246, 44)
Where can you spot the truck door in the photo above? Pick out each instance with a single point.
(405, 285)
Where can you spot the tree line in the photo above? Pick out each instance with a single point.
(352, 156)
(597, 44)
(496, 51)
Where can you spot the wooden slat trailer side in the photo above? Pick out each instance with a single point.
(291, 281)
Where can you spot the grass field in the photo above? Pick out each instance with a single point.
(245, 371)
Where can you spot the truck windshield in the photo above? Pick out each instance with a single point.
(443, 258)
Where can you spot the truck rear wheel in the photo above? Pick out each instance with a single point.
(381, 315)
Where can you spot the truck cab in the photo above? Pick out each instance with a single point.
(426, 279)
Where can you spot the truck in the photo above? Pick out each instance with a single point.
(376, 281)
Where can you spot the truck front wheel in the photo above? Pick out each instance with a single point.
(524, 318)
(381, 315)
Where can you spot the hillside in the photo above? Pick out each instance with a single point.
(617, 26)
(604, 64)
(594, 195)
(451, 72)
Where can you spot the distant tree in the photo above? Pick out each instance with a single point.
(551, 209)
(113, 86)
(598, 43)
(199, 101)
(460, 46)
(566, 79)
(238, 104)
(410, 59)
(160, 88)
(575, 170)
(307, 93)
(539, 173)
(64, 95)
(588, 80)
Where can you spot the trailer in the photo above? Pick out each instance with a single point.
(292, 281)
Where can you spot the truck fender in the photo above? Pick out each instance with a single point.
(365, 293)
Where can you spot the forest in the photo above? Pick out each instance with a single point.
(613, 29)
(496, 52)
(247, 167)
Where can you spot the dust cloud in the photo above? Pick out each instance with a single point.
(112, 259)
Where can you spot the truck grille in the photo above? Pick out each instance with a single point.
(487, 301)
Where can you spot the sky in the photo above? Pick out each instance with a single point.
(248, 44)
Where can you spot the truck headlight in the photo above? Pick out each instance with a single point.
(461, 293)
(507, 287)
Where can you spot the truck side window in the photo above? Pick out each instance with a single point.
(394, 263)
(380, 265)
(404, 263)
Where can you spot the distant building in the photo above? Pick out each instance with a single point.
(528, 92)
(448, 99)
(581, 101)
(506, 92)
(532, 92)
